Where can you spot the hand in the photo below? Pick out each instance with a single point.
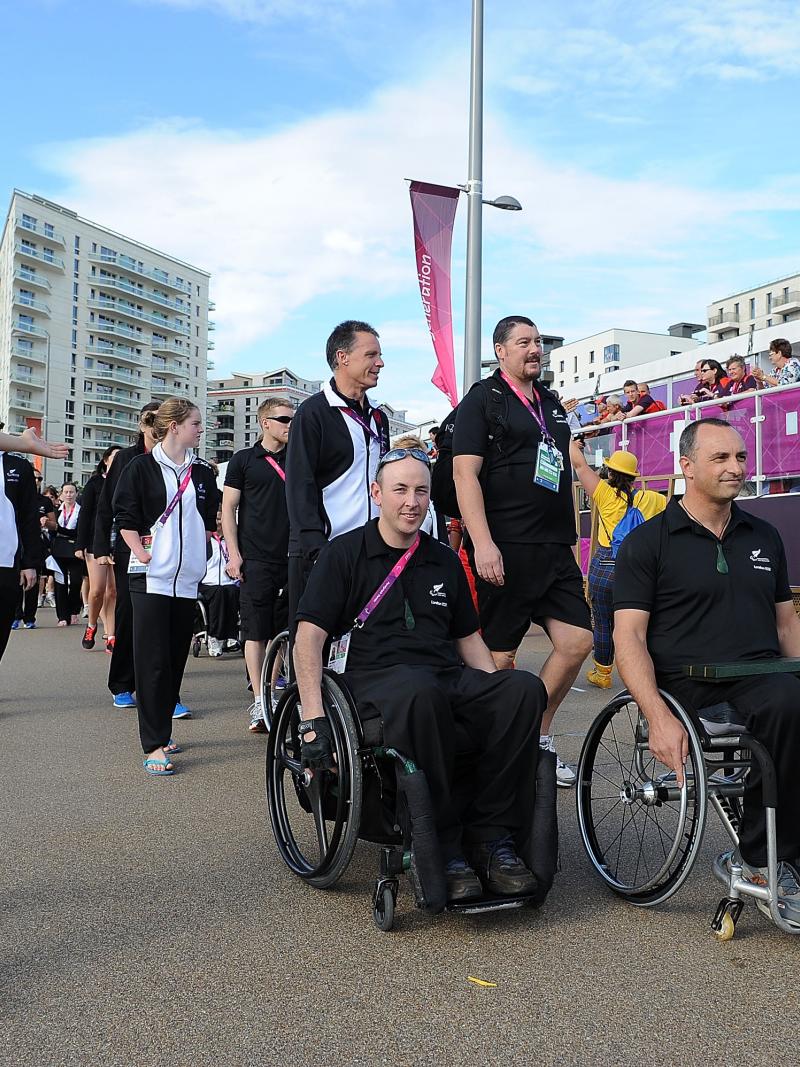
(319, 751)
(27, 578)
(78, 553)
(758, 374)
(144, 557)
(489, 564)
(576, 448)
(37, 446)
(105, 561)
(233, 568)
(669, 743)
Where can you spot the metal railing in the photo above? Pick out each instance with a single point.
(40, 257)
(47, 232)
(23, 275)
(112, 282)
(785, 298)
(723, 317)
(123, 262)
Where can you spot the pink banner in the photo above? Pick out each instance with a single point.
(434, 211)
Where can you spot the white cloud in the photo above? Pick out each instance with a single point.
(266, 11)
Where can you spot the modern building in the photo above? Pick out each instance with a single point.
(92, 326)
(233, 408)
(613, 350)
(767, 306)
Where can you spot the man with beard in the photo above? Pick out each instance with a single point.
(514, 484)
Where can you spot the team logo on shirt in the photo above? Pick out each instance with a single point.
(438, 595)
(760, 563)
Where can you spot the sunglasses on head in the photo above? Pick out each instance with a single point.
(402, 453)
(283, 419)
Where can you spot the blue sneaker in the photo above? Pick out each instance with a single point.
(15, 625)
(124, 700)
(181, 712)
(30, 625)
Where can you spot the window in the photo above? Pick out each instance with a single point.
(69, 407)
(591, 374)
(48, 230)
(28, 221)
(576, 378)
(87, 409)
(87, 387)
(77, 244)
(769, 302)
(752, 307)
(575, 368)
(74, 337)
(591, 357)
(769, 322)
(736, 310)
(277, 381)
(611, 354)
(75, 290)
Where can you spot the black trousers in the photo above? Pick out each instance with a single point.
(771, 705)
(9, 595)
(28, 602)
(222, 605)
(68, 592)
(121, 676)
(433, 716)
(162, 633)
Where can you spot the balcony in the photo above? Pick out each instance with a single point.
(44, 257)
(724, 322)
(31, 302)
(115, 397)
(33, 355)
(122, 262)
(210, 346)
(225, 443)
(786, 303)
(211, 325)
(117, 329)
(212, 306)
(169, 367)
(34, 407)
(105, 440)
(119, 307)
(173, 347)
(120, 422)
(29, 277)
(28, 327)
(108, 281)
(21, 376)
(46, 232)
(115, 374)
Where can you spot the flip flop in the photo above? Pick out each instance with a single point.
(161, 768)
(172, 749)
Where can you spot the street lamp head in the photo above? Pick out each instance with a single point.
(505, 203)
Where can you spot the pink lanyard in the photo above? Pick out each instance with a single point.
(174, 502)
(276, 467)
(222, 548)
(386, 585)
(364, 426)
(536, 412)
(67, 517)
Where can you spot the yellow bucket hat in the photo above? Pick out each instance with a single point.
(624, 462)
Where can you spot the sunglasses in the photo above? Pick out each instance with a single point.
(284, 420)
(394, 454)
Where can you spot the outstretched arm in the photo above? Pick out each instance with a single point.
(586, 476)
(32, 443)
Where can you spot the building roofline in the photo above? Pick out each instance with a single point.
(623, 329)
(753, 288)
(36, 199)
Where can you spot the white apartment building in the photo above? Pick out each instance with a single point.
(92, 326)
(612, 350)
(233, 408)
(755, 309)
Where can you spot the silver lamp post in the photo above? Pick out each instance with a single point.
(475, 202)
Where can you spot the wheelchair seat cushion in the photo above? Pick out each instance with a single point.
(721, 719)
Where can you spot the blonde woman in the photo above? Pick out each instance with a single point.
(166, 508)
(102, 591)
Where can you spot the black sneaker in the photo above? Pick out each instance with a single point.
(462, 882)
(88, 637)
(501, 870)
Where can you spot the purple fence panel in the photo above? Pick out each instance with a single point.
(682, 388)
(780, 439)
(651, 442)
(740, 414)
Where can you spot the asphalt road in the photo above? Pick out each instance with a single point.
(152, 922)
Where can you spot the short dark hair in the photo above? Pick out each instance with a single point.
(630, 381)
(716, 366)
(506, 325)
(434, 430)
(782, 347)
(687, 445)
(735, 359)
(344, 337)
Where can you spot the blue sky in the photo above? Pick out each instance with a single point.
(267, 141)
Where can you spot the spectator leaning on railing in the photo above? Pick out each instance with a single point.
(638, 402)
(712, 383)
(739, 381)
(787, 366)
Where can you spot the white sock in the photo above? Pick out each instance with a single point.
(258, 703)
(544, 740)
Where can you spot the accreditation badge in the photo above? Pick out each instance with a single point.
(337, 658)
(135, 566)
(549, 464)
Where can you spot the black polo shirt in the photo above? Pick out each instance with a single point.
(668, 567)
(517, 510)
(263, 522)
(351, 568)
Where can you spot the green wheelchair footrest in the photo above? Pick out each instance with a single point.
(723, 672)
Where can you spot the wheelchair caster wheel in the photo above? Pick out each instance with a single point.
(727, 928)
(195, 648)
(383, 905)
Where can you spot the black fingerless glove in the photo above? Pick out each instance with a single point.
(319, 752)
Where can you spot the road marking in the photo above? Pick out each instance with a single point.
(575, 689)
(480, 982)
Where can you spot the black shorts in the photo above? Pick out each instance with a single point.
(541, 582)
(262, 600)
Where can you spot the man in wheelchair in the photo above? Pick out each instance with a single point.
(705, 583)
(412, 654)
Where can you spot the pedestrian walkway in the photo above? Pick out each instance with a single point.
(150, 922)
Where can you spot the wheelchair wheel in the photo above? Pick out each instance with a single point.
(195, 647)
(275, 674)
(641, 831)
(316, 819)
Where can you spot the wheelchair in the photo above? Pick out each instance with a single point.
(200, 629)
(377, 794)
(643, 832)
(275, 674)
